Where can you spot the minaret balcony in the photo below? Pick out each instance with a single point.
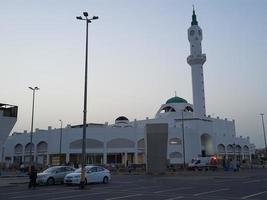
(196, 59)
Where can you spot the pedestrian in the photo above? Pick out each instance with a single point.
(33, 177)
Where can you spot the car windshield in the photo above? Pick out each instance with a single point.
(51, 170)
(79, 170)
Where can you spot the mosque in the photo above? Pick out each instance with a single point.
(191, 133)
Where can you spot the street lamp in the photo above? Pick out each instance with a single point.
(60, 139)
(33, 97)
(87, 21)
(183, 139)
(263, 127)
(234, 162)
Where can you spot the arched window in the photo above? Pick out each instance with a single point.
(18, 149)
(175, 141)
(28, 147)
(230, 148)
(221, 148)
(141, 144)
(90, 143)
(238, 149)
(206, 144)
(120, 143)
(167, 109)
(42, 147)
(176, 154)
(246, 149)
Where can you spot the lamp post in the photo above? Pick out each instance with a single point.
(60, 139)
(263, 128)
(234, 163)
(87, 21)
(183, 139)
(33, 98)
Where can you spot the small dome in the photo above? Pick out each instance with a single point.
(176, 100)
(122, 118)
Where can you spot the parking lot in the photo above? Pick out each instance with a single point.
(219, 185)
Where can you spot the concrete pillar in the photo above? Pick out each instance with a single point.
(105, 155)
(47, 159)
(136, 153)
(125, 159)
(67, 157)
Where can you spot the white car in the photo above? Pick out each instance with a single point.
(93, 174)
(54, 175)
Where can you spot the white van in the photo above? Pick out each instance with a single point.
(204, 163)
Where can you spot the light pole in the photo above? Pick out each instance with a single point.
(60, 139)
(263, 127)
(33, 97)
(234, 162)
(87, 21)
(183, 139)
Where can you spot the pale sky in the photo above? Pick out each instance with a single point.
(137, 59)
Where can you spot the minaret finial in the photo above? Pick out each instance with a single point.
(194, 17)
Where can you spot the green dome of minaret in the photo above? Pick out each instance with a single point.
(194, 18)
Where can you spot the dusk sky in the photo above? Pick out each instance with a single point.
(137, 59)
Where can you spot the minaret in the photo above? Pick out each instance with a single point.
(196, 60)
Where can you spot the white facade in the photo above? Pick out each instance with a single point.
(123, 141)
(8, 118)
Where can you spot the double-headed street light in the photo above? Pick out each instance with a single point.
(87, 21)
(33, 97)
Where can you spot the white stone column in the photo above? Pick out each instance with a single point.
(67, 157)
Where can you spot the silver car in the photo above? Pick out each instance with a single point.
(54, 175)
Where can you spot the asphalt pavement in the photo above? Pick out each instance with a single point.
(218, 185)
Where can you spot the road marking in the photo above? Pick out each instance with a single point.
(253, 195)
(252, 181)
(78, 195)
(124, 182)
(139, 188)
(173, 189)
(38, 194)
(180, 197)
(31, 191)
(123, 197)
(209, 192)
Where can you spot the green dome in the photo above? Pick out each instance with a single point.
(176, 100)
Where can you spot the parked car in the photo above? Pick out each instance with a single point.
(93, 174)
(54, 175)
(204, 163)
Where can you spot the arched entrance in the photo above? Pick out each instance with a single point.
(206, 145)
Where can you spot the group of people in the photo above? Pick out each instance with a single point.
(231, 164)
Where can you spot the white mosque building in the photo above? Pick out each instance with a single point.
(191, 133)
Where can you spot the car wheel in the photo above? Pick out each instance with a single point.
(105, 180)
(50, 181)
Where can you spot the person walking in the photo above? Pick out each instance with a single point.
(33, 177)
